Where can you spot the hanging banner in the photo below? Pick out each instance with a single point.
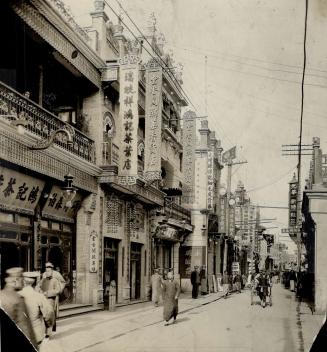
(19, 192)
(189, 141)
(153, 118)
(210, 191)
(129, 81)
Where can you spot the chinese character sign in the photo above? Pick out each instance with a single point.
(94, 252)
(153, 111)
(210, 181)
(129, 80)
(19, 191)
(292, 205)
(56, 207)
(189, 140)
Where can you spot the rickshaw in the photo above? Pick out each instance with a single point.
(261, 291)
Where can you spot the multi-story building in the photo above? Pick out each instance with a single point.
(204, 247)
(143, 219)
(247, 218)
(313, 243)
(47, 76)
(101, 111)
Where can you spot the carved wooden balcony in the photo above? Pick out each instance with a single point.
(41, 123)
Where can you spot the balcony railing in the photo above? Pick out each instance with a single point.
(110, 154)
(176, 211)
(42, 123)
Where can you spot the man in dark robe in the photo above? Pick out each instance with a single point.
(195, 281)
(170, 293)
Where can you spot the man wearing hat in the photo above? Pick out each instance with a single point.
(50, 287)
(13, 304)
(39, 309)
(195, 281)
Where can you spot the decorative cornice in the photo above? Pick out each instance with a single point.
(43, 19)
(54, 162)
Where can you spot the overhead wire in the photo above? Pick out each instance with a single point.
(151, 46)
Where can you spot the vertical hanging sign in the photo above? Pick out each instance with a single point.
(189, 141)
(129, 80)
(94, 252)
(153, 118)
(210, 181)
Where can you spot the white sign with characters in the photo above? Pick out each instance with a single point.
(94, 252)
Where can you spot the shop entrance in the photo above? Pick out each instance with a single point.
(135, 270)
(57, 249)
(110, 265)
(164, 259)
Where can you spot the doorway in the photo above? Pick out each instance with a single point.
(110, 265)
(135, 270)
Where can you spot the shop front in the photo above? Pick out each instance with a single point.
(166, 242)
(19, 197)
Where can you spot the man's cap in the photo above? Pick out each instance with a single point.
(31, 276)
(49, 265)
(15, 272)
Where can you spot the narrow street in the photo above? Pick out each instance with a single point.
(230, 325)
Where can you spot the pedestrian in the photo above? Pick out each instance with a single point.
(56, 274)
(39, 310)
(292, 278)
(238, 282)
(156, 287)
(225, 283)
(50, 287)
(170, 293)
(203, 280)
(195, 281)
(13, 304)
(112, 295)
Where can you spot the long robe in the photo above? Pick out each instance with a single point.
(170, 290)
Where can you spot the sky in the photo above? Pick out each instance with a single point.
(254, 52)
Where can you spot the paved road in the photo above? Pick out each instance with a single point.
(225, 325)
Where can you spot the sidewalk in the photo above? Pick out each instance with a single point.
(308, 323)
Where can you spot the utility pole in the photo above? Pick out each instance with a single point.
(230, 164)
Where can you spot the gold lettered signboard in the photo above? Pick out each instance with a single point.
(129, 81)
(153, 118)
(94, 252)
(56, 208)
(19, 192)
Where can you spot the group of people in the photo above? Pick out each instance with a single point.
(169, 290)
(199, 280)
(31, 301)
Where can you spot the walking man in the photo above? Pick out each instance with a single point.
(156, 287)
(13, 304)
(195, 281)
(50, 287)
(170, 292)
(39, 310)
(225, 282)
